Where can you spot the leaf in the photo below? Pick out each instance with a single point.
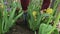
(12, 13)
(44, 28)
(7, 21)
(18, 16)
(35, 5)
(56, 31)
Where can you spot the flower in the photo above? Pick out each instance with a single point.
(6, 3)
(8, 9)
(34, 13)
(1, 6)
(49, 10)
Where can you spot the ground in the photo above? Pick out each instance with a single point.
(20, 28)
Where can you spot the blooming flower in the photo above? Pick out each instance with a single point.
(49, 11)
(8, 9)
(6, 3)
(34, 13)
(1, 6)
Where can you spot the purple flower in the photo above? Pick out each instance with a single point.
(8, 9)
(6, 3)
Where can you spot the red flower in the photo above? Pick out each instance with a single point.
(24, 4)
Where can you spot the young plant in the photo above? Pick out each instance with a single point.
(48, 28)
(34, 17)
(8, 19)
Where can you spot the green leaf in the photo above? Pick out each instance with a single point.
(12, 13)
(44, 28)
(18, 16)
(35, 5)
(56, 31)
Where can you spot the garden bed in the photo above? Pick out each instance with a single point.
(40, 19)
(20, 28)
(17, 29)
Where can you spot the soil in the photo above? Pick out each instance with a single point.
(20, 28)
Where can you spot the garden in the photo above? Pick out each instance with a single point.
(29, 16)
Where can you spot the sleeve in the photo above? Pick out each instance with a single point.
(45, 4)
(24, 4)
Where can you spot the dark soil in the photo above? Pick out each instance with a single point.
(20, 28)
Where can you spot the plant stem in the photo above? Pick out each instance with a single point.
(49, 19)
(35, 32)
(55, 22)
